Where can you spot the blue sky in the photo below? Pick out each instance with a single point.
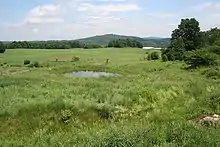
(70, 19)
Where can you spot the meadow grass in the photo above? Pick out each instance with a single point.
(150, 105)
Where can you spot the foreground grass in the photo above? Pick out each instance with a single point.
(151, 105)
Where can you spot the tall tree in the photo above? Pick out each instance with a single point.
(211, 37)
(186, 37)
(189, 31)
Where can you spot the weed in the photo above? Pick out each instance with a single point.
(66, 115)
(75, 59)
(26, 62)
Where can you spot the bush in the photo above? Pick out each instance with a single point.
(66, 115)
(199, 58)
(164, 58)
(26, 62)
(155, 55)
(149, 57)
(104, 111)
(2, 51)
(213, 73)
(34, 64)
(214, 49)
(75, 58)
(2, 48)
(171, 57)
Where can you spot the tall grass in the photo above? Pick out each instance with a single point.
(150, 105)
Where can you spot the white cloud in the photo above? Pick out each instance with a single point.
(35, 30)
(209, 6)
(45, 14)
(108, 8)
(208, 14)
(162, 15)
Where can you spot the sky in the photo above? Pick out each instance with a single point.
(72, 19)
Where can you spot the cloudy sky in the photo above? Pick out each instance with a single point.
(71, 19)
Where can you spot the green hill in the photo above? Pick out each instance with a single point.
(105, 39)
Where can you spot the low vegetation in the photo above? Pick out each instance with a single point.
(26, 62)
(2, 48)
(201, 57)
(153, 103)
(164, 58)
(154, 55)
(75, 58)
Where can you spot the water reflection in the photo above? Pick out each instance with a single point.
(93, 74)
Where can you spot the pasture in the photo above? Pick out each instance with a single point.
(151, 104)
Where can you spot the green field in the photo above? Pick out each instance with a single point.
(152, 104)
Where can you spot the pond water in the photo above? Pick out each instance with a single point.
(92, 74)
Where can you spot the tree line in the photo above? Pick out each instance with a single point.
(121, 43)
(66, 44)
(43, 44)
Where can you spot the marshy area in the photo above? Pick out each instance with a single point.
(138, 103)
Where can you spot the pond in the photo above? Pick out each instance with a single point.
(92, 74)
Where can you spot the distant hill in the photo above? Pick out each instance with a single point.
(105, 39)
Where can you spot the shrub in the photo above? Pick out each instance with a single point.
(107, 61)
(2, 48)
(173, 54)
(75, 58)
(104, 111)
(171, 57)
(164, 58)
(155, 55)
(4, 64)
(34, 64)
(149, 57)
(212, 100)
(2, 51)
(213, 73)
(26, 62)
(214, 49)
(66, 115)
(199, 58)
